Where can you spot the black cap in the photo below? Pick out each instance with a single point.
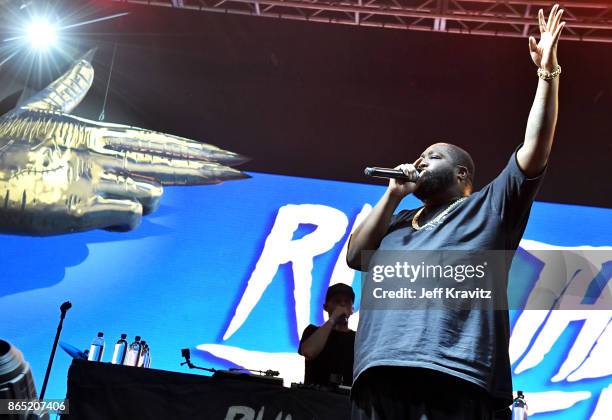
(340, 289)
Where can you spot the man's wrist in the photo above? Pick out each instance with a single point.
(545, 74)
(394, 198)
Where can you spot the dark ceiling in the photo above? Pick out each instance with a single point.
(324, 101)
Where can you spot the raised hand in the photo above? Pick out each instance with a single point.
(60, 173)
(544, 53)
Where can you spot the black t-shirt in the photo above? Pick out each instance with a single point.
(335, 358)
(469, 344)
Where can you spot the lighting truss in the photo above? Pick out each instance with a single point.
(586, 21)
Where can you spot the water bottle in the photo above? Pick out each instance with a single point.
(133, 353)
(120, 351)
(144, 359)
(143, 349)
(96, 350)
(147, 363)
(519, 407)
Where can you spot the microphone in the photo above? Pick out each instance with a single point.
(65, 306)
(389, 173)
(63, 309)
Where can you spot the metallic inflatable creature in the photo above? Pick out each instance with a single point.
(60, 173)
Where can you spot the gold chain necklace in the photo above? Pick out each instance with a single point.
(438, 219)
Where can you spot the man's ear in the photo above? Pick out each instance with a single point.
(462, 173)
(326, 307)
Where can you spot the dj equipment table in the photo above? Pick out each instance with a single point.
(106, 391)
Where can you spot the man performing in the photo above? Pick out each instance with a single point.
(328, 349)
(448, 363)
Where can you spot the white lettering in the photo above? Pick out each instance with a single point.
(280, 248)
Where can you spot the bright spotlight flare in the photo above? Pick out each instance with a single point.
(41, 34)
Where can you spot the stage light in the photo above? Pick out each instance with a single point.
(41, 34)
(16, 380)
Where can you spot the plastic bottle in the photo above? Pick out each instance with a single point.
(120, 351)
(147, 363)
(144, 356)
(96, 350)
(519, 407)
(133, 353)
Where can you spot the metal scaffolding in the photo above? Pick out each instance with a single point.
(586, 21)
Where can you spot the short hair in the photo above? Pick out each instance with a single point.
(340, 289)
(462, 158)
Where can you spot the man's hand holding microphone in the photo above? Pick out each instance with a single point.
(401, 187)
(402, 178)
(340, 315)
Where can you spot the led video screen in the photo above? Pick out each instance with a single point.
(236, 271)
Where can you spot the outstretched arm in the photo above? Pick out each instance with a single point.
(533, 155)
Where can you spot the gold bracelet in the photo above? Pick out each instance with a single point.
(545, 75)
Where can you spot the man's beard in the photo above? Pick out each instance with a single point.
(433, 183)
